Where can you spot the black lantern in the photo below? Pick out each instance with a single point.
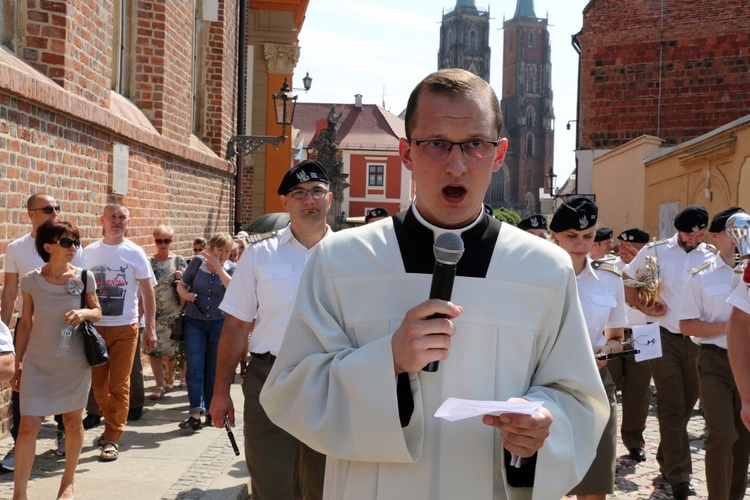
(551, 178)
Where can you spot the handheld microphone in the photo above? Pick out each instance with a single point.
(613, 355)
(230, 434)
(448, 248)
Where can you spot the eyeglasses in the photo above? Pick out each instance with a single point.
(165, 241)
(67, 243)
(301, 194)
(474, 149)
(48, 209)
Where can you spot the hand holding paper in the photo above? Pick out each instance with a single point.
(454, 409)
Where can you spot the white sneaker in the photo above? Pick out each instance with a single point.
(9, 462)
(60, 438)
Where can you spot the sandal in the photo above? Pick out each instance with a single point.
(157, 394)
(101, 441)
(110, 452)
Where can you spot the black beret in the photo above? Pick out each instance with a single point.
(634, 235)
(488, 210)
(576, 212)
(692, 219)
(307, 170)
(719, 222)
(603, 233)
(537, 221)
(375, 212)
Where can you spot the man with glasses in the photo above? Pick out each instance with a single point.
(262, 290)
(349, 379)
(121, 269)
(20, 258)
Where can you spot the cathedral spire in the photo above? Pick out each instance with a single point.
(466, 3)
(524, 8)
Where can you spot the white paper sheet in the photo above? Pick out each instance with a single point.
(648, 339)
(454, 409)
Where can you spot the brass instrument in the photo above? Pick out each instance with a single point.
(648, 292)
(738, 229)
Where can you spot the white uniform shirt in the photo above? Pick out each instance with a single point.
(674, 264)
(6, 339)
(21, 257)
(633, 316)
(602, 300)
(740, 296)
(705, 298)
(265, 285)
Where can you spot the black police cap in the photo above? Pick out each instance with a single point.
(537, 221)
(719, 222)
(692, 219)
(634, 235)
(576, 212)
(603, 233)
(375, 212)
(307, 170)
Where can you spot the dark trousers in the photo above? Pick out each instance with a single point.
(728, 440)
(281, 467)
(676, 380)
(633, 379)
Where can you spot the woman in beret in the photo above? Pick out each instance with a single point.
(600, 290)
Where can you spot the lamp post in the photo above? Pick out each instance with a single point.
(285, 101)
(551, 178)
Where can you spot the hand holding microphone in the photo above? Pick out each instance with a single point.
(448, 248)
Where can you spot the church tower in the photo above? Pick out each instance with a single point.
(527, 109)
(465, 39)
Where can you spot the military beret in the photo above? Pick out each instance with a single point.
(576, 212)
(488, 210)
(375, 212)
(603, 233)
(692, 219)
(537, 221)
(307, 170)
(719, 222)
(634, 235)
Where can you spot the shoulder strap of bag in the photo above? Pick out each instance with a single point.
(85, 279)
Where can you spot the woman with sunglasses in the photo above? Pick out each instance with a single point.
(52, 374)
(202, 286)
(602, 297)
(168, 269)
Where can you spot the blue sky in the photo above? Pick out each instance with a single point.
(383, 48)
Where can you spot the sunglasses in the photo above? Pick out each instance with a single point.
(165, 241)
(67, 243)
(48, 209)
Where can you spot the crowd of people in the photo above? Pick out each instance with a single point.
(332, 333)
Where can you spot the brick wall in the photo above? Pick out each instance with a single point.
(703, 76)
(59, 120)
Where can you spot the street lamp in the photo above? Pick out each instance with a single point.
(551, 178)
(307, 82)
(567, 125)
(285, 101)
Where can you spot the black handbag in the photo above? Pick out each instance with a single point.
(93, 343)
(178, 333)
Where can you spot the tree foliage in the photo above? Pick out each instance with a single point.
(507, 215)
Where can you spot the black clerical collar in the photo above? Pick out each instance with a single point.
(416, 239)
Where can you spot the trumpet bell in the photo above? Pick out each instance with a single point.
(738, 229)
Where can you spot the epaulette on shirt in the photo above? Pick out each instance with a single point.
(699, 268)
(712, 248)
(255, 238)
(654, 243)
(600, 265)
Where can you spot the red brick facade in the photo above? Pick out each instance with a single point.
(702, 82)
(59, 120)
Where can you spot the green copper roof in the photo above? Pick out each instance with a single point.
(524, 8)
(466, 3)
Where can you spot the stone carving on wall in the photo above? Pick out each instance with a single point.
(280, 57)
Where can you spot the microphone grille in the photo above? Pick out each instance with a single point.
(448, 248)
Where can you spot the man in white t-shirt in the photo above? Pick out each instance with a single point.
(7, 354)
(120, 268)
(20, 258)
